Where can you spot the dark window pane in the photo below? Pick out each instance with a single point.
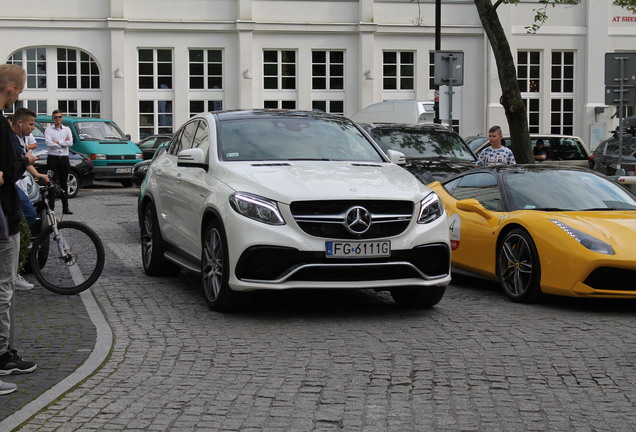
(215, 69)
(336, 83)
(164, 55)
(145, 55)
(270, 56)
(389, 57)
(196, 82)
(145, 82)
(145, 69)
(390, 84)
(270, 69)
(319, 105)
(164, 69)
(319, 70)
(336, 56)
(318, 56)
(196, 55)
(164, 82)
(288, 83)
(196, 68)
(270, 83)
(270, 104)
(288, 104)
(215, 82)
(407, 84)
(336, 70)
(288, 56)
(215, 56)
(337, 107)
(407, 57)
(319, 83)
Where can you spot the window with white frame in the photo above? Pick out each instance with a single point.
(155, 117)
(206, 69)
(80, 108)
(199, 106)
(155, 68)
(33, 61)
(279, 79)
(327, 70)
(76, 69)
(279, 104)
(562, 92)
(327, 80)
(40, 107)
(76, 74)
(398, 70)
(529, 79)
(329, 106)
(279, 69)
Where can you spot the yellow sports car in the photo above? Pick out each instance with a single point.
(543, 230)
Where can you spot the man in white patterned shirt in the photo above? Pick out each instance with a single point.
(496, 154)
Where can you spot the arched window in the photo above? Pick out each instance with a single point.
(68, 79)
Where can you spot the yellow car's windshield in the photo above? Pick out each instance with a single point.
(565, 190)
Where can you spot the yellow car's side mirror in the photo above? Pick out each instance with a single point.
(474, 206)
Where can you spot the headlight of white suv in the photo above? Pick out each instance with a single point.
(431, 209)
(257, 208)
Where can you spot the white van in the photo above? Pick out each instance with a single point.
(397, 111)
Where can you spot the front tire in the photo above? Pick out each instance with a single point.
(152, 247)
(518, 267)
(215, 271)
(419, 297)
(79, 267)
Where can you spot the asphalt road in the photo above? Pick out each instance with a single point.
(339, 361)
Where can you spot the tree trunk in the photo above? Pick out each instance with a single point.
(511, 95)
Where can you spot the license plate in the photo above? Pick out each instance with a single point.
(123, 170)
(355, 249)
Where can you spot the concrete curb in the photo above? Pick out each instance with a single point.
(103, 345)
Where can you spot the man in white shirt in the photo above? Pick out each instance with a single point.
(58, 140)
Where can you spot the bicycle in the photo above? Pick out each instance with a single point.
(66, 257)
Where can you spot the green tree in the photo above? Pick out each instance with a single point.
(511, 100)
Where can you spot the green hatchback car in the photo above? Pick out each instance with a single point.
(113, 153)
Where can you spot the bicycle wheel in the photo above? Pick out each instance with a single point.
(77, 267)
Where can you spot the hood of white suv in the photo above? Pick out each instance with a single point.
(288, 181)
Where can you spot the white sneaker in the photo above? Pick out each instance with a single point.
(21, 284)
(6, 388)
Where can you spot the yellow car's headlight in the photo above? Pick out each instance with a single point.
(590, 242)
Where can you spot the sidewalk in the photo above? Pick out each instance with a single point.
(66, 336)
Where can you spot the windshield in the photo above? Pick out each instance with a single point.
(294, 139)
(99, 131)
(423, 144)
(565, 190)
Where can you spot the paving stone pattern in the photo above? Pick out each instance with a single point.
(338, 361)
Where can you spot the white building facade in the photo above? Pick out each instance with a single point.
(151, 64)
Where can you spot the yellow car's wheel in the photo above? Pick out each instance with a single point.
(518, 267)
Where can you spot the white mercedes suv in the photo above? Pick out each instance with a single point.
(272, 199)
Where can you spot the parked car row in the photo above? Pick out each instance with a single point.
(271, 199)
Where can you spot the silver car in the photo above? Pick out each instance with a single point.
(559, 149)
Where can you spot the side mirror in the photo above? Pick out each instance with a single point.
(473, 206)
(128, 137)
(194, 158)
(396, 157)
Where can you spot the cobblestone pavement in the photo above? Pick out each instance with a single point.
(325, 360)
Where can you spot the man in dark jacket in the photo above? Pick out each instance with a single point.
(12, 79)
